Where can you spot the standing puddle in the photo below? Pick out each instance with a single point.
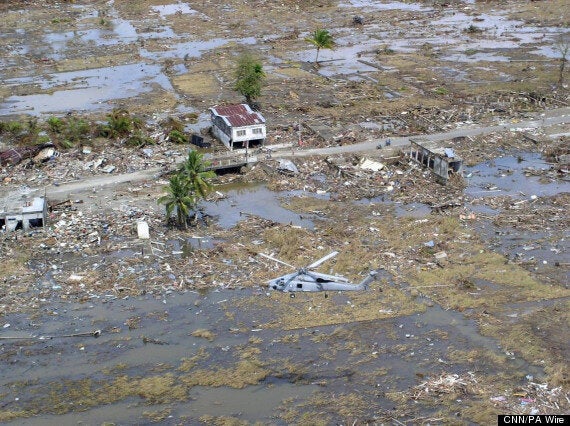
(173, 9)
(381, 5)
(522, 179)
(252, 404)
(150, 336)
(415, 210)
(506, 176)
(86, 90)
(254, 200)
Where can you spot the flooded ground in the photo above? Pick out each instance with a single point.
(76, 57)
(170, 356)
(169, 341)
(469, 317)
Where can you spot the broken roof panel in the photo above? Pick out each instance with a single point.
(367, 164)
(239, 115)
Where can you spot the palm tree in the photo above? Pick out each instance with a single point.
(322, 40)
(194, 170)
(179, 199)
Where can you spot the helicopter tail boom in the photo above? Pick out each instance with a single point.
(366, 281)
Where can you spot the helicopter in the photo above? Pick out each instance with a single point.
(305, 279)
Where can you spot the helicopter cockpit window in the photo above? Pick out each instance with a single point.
(299, 285)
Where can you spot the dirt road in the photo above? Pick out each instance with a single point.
(548, 118)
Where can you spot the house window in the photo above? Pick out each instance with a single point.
(240, 132)
(257, 131)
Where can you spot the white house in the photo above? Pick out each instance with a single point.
(238, 126)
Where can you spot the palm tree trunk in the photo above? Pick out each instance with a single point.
(317, 58)
(181, 220)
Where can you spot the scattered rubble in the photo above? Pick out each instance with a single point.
(531, 398)
(37, 153)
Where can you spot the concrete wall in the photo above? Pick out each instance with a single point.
(30, 214)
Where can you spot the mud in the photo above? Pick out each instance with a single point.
(153, 337)
(469, 316)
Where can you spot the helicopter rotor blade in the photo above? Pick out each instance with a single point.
(322, 260)
(277, 260)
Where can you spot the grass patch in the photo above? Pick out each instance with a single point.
(246, 372)
(289, 244)
(189, 363)
(16, 264)
(204, 334)
(69, 395)
(313, 309)
(225, 421)
(347, 406)
(540, 338)
(453, 287)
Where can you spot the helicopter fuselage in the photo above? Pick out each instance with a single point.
(306, 279)
(315, 281)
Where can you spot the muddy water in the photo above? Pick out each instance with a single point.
(151, 334)
(103, 32)
(406, 347)
(514, 176)
(402, 347)
(86, 90)
(166, 321)
(254, 200)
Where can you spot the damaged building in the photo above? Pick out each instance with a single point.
(238, 126)
(440, 160)
(19, 211)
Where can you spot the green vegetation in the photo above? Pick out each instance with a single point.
(21, 133)
(120, 123)
(186, 187)
(63, 132)
(473, 29)
(55, 124)
(178, 199)
(176, 136)
(441, 91)
(194, 170)
(249, 76)
(76, 130)
(139, 139)
(321, 39)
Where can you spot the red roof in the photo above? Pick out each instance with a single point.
(239, 115)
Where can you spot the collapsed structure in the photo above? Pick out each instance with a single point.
(442, 161)
(22, 211)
